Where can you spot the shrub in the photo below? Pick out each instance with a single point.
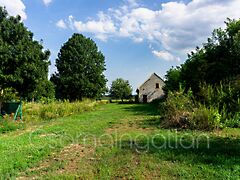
(233, 122)
(204, 118)
(224, 98)
(177, 109)
(214, 107)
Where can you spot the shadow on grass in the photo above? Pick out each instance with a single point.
(153, 122)
(220, 151)
(143, 109)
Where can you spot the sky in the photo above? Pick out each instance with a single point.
(137, 37)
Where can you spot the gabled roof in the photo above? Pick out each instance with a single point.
(153, 74)
(157, 76)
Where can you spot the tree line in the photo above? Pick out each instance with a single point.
(24, 67)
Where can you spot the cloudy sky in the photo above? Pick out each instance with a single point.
(137, 37)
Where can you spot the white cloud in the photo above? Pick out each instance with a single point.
(132, 3)
(47, 2)
(176, 27)
(61, 24)
(102, 27)
(14, 7)
(165, 55)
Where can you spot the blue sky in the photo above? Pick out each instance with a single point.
(137, 37)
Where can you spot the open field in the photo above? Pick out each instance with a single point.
(118, 141)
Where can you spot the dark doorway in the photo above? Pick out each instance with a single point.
(145, 98)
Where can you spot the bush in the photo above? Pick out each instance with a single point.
(204, 118)
(233, 122)
(177, 109)
(214, 107)
(224, 96)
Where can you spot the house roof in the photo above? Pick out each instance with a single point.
(153, 74)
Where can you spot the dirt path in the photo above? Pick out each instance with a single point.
(71, 159)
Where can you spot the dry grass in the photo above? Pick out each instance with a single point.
(34, 112)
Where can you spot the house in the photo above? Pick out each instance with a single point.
(151, 89)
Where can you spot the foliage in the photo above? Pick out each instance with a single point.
(224, 97)
(80, 68)
(177, 109)
(8, 94)
(121, 89)
(173, 79)
(23, 61)
(218, 60)
(44, 89)
(233, 122)
(204, 118)
(218, 108)
(212, 73)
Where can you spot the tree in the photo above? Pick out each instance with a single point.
(173, 79)
(23, 62)
(121, 89)
(80, 68)
(217, 61)
(44, 89)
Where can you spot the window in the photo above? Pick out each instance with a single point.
(157, 85)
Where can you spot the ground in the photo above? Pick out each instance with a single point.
(118, 141)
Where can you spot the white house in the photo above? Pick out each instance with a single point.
(151, 89)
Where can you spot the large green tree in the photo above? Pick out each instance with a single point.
(217, 61)
(121, 89)
(80, 68)
(23, 60)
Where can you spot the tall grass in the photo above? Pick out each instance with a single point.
(44, 111)
(33, 112)
(7, 124)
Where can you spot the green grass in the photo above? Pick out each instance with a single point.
(56, 150)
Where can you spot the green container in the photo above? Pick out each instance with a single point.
(10, 107)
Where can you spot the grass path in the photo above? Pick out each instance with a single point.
(119, 142)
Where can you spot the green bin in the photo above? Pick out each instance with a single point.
(12, 107)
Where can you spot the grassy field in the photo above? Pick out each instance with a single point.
(118, 141)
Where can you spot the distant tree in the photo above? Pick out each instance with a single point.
(23, 61)
(80, 68)
(121, 89)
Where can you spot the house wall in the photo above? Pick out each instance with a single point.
(149, 89)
